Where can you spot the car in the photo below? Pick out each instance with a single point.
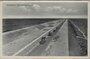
(54, 30)
(42, 40)
(50, 34)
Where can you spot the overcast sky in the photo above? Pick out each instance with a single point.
(44, 9)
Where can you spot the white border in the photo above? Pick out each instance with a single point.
(43, 57)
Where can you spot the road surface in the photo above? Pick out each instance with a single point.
(59, 46)
(16, 41)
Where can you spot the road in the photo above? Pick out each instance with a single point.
(12, 44)
(67, 40)
(40, 50)
(59, 46)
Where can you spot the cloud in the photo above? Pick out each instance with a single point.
(62, 10)
(52, 8)
(36, 7)
(49, 8)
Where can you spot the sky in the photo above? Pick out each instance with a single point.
(44, 10)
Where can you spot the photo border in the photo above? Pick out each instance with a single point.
(44, 57)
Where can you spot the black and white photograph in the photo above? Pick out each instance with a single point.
(45, 29)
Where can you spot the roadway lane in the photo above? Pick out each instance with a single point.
(40, 50)
(24, 35)
(59, 45)
(17, 34)
(14, 45)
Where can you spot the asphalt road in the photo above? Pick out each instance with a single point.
(14, 43)
(59, 48)
(59, 45)
(40, 50)
(67, 40)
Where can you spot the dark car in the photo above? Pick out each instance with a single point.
(42, 40)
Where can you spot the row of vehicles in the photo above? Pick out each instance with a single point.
(50, 33)
(43, 39)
